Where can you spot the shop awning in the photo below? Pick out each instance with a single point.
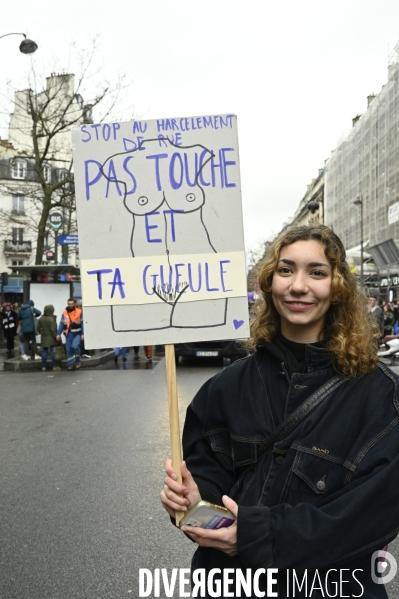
(385, 253)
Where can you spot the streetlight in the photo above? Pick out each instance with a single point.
(359, 202)
(313, 206)
(26, 46)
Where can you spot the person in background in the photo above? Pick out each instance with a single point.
(22, 350)
(118, 351)
(71, 325)
(396, 311)
(47, 327)
(147, 351)
(26, 316)
(9, 323)
(376, 313)
(83, 351)
(16, 307)
(388, 320)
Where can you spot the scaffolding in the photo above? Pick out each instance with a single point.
(366, 164)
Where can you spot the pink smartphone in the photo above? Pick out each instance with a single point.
(208, 515)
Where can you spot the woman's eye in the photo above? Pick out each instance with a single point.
(284, 270)
(319, 273)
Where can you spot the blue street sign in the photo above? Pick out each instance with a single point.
(68, 239)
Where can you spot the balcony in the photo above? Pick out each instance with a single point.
(17, 247)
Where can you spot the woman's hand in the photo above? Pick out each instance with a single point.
(176, 497)
(224, 539)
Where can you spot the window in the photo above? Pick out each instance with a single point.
(62, 173)
(18, 168)
(17, 262)
(17, 235)
(47, 172)
(18, 205)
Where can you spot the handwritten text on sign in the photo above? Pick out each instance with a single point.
(157, 279)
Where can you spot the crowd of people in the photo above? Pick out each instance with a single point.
(27, 322)
(123, 351)
(385, 315)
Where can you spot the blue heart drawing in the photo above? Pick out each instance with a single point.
(238, 323)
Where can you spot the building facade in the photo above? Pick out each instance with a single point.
(311, 207)
(21, 189)
(365, 167)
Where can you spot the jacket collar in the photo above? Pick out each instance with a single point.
(317, 358)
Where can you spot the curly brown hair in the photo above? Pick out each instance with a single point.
(351, 336)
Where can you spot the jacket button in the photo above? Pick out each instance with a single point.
(321, 485)
(281, 375)
(280, 460)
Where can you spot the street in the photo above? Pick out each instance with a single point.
(82, 465)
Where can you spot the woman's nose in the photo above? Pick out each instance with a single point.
(298, 283)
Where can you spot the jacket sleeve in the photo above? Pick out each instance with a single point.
(213, 478)
(61, 325)
(352, 523)
(36, 312)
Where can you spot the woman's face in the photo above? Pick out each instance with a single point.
(301, 290)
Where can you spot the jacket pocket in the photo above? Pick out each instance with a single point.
(233, 453)
(312, 477)
(243, 452)
(220, 444)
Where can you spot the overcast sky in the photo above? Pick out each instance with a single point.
(294, 72)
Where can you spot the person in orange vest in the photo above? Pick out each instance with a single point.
(71, 325)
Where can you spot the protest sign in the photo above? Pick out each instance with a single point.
(160, 231)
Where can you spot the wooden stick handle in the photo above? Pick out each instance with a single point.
(173, 415)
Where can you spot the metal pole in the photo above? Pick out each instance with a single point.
(359, 202)
(56, 244)
(6, 34)
(361, 243)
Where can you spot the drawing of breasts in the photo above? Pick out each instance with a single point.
(132, 176)
(164, 191)
(165, 194)
(185, 196)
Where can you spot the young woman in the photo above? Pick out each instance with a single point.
(325, 498)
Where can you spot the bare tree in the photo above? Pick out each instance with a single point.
(255, 255)
(39, 130)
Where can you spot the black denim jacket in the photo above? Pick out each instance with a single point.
(327, 496)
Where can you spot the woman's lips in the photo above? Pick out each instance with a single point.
(298, 306)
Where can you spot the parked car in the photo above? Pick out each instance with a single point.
(210, 349)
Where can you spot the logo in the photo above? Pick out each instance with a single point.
(319, 449)
(383, 567)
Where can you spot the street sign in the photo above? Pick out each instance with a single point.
(55, 219)
(393, 213)
(68, 239)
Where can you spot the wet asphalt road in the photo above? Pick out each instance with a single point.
(81, 468)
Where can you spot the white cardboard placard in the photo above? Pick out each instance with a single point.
(161, 240)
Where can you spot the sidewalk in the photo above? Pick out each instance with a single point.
(16, 364)
(100, 359)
